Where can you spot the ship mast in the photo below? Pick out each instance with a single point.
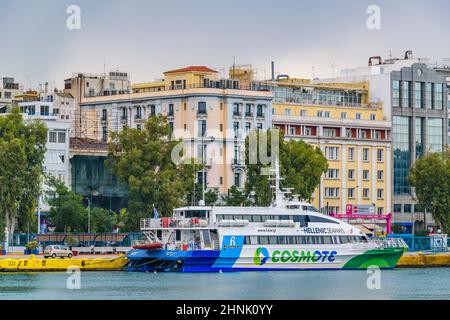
(279, 194)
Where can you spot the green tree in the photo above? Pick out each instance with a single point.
(430, 176)
(301, 166)
(236, 198)
(67, 212)
(143, 160)
(211, 197)
(22, 151)
(102, 220)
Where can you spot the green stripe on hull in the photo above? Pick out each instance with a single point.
(381, 258)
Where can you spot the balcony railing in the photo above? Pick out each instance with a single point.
(201, 112)
(236, 113)
(249, 114)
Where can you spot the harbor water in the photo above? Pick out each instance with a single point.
(432, 283)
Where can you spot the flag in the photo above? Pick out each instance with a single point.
(155, 213)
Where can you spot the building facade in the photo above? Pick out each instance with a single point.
(414, 97)
(92, 178)
(56, 160)
(352, 133)
(83, 85)
(212, 116)
(8, 92)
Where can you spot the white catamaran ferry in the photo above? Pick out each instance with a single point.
(290, 235)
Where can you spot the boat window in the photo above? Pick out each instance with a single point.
(291, 240)
(273, 240)
(284, 217)
(327, 240)
(220, 217)
(319, 240)
(335, 240)
(237, 217)
(264, 240)
(301, 240)
(254, 240)
(282, 240)
(311, 240)
(309, 208)
(196, 214)
(247, 240)
(257, 218)
(321, 220)
(178, 235)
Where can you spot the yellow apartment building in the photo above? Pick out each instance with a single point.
(351, 131)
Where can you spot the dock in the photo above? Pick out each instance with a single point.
(424, 260)
(39, 264)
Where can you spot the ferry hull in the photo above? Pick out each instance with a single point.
(261, 260)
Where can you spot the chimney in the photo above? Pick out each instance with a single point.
(46, 87)
(273, 71)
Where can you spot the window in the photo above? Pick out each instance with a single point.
(402, 154)
(329, 133)
(418, 95)
(104, 134)
(104, 115)
(171, 110)
(259, 110)
(366, 174)
(287, 112)
(61, 137)
(343, 115)
(397, 208)
(435, 134)
(248, 110)
(332, 153)
(429, 95)
(152, 110)
(7, 95)
(358, 116)
(351, 193)
(380, 175)
(351, 154)
(366, 193)
(373, 117)
(396, 93)
(332, 192)
(248, 127)
(52, 136)
(259, 126)
(237, 180)
(221, 180)
(351, 174)
(380, 211)
(201, 107)
(236, 109)
(303, 113)
(380, 194)
(332, 174)
(380, 155)
(438, 96)
(405, 94)
(365, 154)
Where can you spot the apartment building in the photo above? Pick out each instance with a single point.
(213, 117)
(9, 89)
(351, 131)
(83, 85)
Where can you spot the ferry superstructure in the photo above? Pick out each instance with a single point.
(290, 235)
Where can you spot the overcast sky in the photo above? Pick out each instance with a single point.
(146, 37)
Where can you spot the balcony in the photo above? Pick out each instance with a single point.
(104, 119)
(124, 118)
(236, 113)
(202, 112)
(249, 114)
(138, 117)
(260, 115)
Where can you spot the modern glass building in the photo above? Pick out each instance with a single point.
(419, 126)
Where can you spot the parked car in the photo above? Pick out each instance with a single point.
(54, 251)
